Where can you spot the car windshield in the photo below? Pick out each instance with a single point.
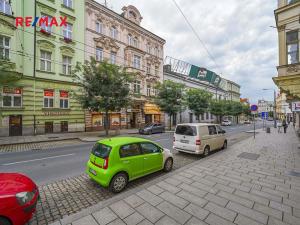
(186, 130)
(149, 124)
(101, 150)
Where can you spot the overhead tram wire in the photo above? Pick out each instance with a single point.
(198, 37)
(83, 50)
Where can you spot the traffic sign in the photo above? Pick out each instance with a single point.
(264, 115)
(253, 108)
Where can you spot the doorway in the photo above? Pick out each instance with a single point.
(15, 125)
(64, 126)
(48, 127)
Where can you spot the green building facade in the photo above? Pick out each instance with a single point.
(36, 89)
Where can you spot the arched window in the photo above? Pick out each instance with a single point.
(156, 51)
(114, 32)
(135, 42)
(132, 15)
(148, 48)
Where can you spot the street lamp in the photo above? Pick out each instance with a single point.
(274, 110)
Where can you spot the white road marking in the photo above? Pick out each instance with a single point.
(33, 160)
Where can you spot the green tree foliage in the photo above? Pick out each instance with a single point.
(198, 101)
(105, 87)
(170, 97)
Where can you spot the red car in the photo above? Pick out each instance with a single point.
(18, 198)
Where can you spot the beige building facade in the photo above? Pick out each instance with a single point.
(120, 39)
(288, 27)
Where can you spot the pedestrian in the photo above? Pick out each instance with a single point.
(285, 125)
(279, 125)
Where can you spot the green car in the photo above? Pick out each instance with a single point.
(115, 161)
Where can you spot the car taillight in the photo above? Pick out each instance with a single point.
(105, 165)
(198, 142)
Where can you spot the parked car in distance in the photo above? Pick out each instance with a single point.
(18, 198)
(115, 161)
(199, 138)
(226, 123)
(247, 122)
(152, 128)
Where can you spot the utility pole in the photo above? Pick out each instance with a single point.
(34, 71)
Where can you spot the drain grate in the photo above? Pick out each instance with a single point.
(247, 155)
(294, 173)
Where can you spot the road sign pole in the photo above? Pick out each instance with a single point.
(254, 124)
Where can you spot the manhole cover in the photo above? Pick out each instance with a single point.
(247, 155)
(294, 173)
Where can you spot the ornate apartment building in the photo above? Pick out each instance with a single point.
(120, 39)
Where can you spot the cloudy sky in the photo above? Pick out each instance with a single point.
(236, 32)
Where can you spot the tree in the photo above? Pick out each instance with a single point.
(198, 101)
(246, 110)
(170, 97)
(217, 108)
(105, 87)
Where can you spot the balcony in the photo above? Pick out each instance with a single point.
(8, 72)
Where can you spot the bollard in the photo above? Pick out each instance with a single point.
(268, 130)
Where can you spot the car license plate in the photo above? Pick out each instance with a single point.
(92, 171)
(184, 141)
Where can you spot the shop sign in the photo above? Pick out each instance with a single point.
(151, 109)
(295, 106)
(205, 75)
(50, 113)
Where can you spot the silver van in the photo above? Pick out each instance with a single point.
(199, 138)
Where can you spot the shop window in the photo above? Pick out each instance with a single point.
(48, 98)
(63, 99)
(12, 97)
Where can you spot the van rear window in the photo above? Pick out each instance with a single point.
(186, 130)
(101, 150)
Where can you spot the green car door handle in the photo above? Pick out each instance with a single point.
(145, 158)
(125, 161)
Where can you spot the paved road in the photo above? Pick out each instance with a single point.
(46, 166)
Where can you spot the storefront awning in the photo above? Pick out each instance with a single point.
(150, 108)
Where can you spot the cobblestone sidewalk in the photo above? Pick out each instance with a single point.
(254, 182)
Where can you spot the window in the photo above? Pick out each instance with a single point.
(292, 47)
(136, 61)
(212, 130)
(154, 91)
(132, 15)
(45, 61)
(5, 7)
(135, 42)
(202, 116)
(63, 99)
(101, 150)
(129, 39)
(186, 130)
(129, 150)
(67, 67)
(149, 148)
(4, 47)
(156, 70)
(46, 25)
(12, 97)
(113, 57)
(148, 68)
(148, 90)
(68, 3)
(114, 32)
(48, 98)
(137, 87)
(197, 117)
(67, 31)
(207, 116)
(156, 51)
(148, 48)
(99, 54)
(99, 27)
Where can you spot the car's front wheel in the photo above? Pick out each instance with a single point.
(118, 183)
(168, 165)
(4, 221)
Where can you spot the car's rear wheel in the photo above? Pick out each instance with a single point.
(224, 145)
(4, 221)
(118, 183)
(168, 165)
(206, 151)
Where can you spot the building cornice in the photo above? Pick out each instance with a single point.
(97, 6)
